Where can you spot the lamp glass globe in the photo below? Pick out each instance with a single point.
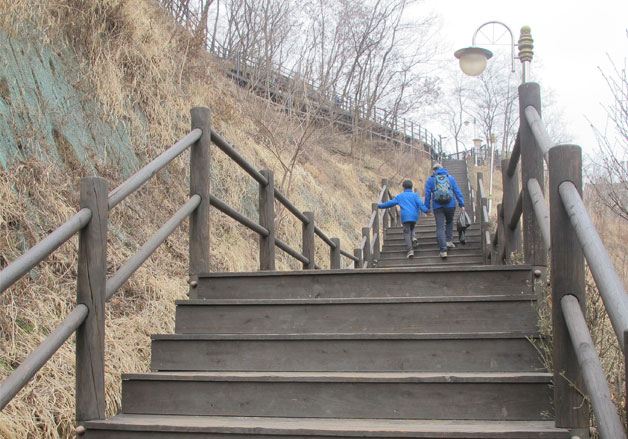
(472, 63)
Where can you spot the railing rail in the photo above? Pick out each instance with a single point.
(93, 289)
(40, 251)
(381, 123)
(609, 284)
(369, 250)
(566, 232)
(594, 377)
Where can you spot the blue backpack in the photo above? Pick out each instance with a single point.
(443, 193)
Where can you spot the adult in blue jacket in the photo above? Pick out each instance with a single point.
(443, 213)
(409, 203)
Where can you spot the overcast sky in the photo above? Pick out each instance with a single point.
(571, 40)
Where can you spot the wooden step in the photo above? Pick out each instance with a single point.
(433, 247)
(452, 259)
(400, 282)
(409, 395)
(431, 240)
(427, 229)
(219, 427)
(380, 352)
(429, 250)
(359, 315)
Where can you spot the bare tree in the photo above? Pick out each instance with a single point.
(609, 176)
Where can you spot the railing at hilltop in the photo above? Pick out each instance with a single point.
(276, 79)
(94, 289)
(565, 231)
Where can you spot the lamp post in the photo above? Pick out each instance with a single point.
(473, 61)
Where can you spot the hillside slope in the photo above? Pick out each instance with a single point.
(101, 87)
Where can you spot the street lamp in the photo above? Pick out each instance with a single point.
(473, 62)
(473, 59)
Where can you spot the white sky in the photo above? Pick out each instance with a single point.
(571, 40)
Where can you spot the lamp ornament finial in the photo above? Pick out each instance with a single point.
(526, 45)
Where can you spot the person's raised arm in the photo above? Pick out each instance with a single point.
(388, 204)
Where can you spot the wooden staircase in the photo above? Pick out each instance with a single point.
(436, 350)
(394, 250)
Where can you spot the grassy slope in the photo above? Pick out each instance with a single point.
(132, 58)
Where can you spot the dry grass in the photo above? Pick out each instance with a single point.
(141, 69)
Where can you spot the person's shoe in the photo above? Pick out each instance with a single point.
(410, 254)
(415, 243)
(443, 255)
(451, 244)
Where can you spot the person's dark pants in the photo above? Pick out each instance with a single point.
(408, 234)
(444, 217)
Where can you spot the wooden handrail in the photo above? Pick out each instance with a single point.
(594, 377)
(516, 214)
(554, 228)
(231, 212)
(42, 353)
(349, 255)
(236, 157)
(140, 177)
(24, 263)
(93, 293)
(291, 208)
(289, 250)
(324, 237)
(381, 194)
(541, 210)
(138, 258)
(514, 157)
(610, 285)
(538, 129)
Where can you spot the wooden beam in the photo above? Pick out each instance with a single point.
(309, 246)
(267, 220)
(567, 274)
(91, 291)
(532, 166)
(199, 185)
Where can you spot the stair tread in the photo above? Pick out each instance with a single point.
(331, 426)
(373, 271)
(358, 300)
(338, 377)
(354, 336)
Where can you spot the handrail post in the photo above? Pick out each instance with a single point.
(267, 220)
(478, 197)
(532, 166)
(484, 227)
(334, 255)
(385, 184)
(366, 233)
(91, 292)
(376, 232)
(199, 185)
(500, 250)
(309, 246)
(567, 270)
(512, 238)
(358, 254)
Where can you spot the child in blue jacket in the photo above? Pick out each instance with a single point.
(410, 203)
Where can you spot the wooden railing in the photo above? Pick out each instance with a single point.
(565, 231)
(369, 250)
(94, 289)
(273, 79)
